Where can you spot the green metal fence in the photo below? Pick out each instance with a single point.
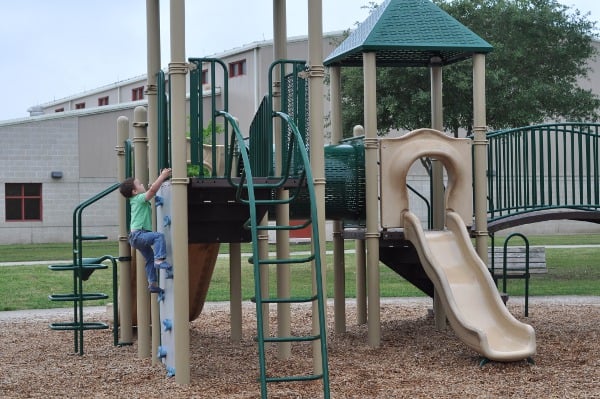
(210, 66)
(164, 126)
(543, 167)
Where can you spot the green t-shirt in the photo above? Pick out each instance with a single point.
(141, 213)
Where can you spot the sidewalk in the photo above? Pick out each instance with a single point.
(101, 311)
(226, 255)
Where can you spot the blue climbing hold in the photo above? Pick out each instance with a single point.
(167, 324)
(166, 221)
(170, 371)
(162, 352)
(158, 201)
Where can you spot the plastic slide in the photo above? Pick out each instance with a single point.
(472, 303)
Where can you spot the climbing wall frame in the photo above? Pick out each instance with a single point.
(166, 299)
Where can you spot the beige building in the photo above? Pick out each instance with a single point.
(65, 151)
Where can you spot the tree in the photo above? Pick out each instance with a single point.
(540, 50)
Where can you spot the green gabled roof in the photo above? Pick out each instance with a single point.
(408, 33)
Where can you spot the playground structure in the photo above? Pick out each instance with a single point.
(230, 203)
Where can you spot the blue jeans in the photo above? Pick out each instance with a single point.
(144, 241)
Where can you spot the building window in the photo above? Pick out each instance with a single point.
(80, 106)
(59, 110)
(237, 68)
(204, 76)
(102, 101)
(137, 93)
(23, 202)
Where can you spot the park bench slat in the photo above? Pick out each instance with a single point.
(516, 260)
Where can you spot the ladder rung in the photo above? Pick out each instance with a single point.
(288, 300)
(77, 297)
(271, 261)
(274, 201)
(94, 237)
(285, 261)
(68, 326)
(85, 266)
(305, 338)
(310, 377)
(294, 227)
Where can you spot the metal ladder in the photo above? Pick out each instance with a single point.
(81, 269)
(246, 186)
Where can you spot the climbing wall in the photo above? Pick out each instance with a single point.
(165, 280)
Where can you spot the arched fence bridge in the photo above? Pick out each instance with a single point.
(543, 172)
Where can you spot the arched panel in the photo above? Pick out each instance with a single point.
(396, 155)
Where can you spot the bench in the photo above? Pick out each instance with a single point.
(516, 261)
(516, 266)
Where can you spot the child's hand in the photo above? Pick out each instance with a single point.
(166, 172)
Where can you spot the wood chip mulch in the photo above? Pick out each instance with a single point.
(414, 360)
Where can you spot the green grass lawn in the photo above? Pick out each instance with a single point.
(571, 271)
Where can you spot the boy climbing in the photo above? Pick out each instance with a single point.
(150, 243)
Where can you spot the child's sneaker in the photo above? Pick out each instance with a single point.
(154, 289)
(162, 265)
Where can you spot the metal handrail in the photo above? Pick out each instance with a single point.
(543, 167)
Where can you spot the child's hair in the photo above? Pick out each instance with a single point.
(126, 188)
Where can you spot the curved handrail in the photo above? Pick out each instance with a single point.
(543, 167)
(427, 204)
(77, 222)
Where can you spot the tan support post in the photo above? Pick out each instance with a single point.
(153, 66)
(316, 74)
(125, 299)
(179, 184)
(438, 203)
(361, 263)
(263, 250)
(282, 215)
(140, 144)
(235, 291)
(480, 154)
(437, 122)
(339, 272)
(372, 234)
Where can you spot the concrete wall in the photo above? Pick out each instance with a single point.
(82, 147)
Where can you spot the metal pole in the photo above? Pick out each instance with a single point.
(361, 263)
(371, 188)
(316, 74)
(179, 182)
(437, 176)
(235, 291)
(339, 279)
(284, 349)
(140, 145)
(153, 66)
(480, 154)
(124, 249)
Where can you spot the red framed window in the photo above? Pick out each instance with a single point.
(102, 101)
(23, 202)
(237, 68)
(137, 93)
(204, 76)
(59, 110)
(80, 106)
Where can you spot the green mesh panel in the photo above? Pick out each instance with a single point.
(261, 141)
(295, 104)
(345, 187)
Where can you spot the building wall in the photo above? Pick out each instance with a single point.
(78, 144)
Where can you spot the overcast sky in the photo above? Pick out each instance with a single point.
(53, 49)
